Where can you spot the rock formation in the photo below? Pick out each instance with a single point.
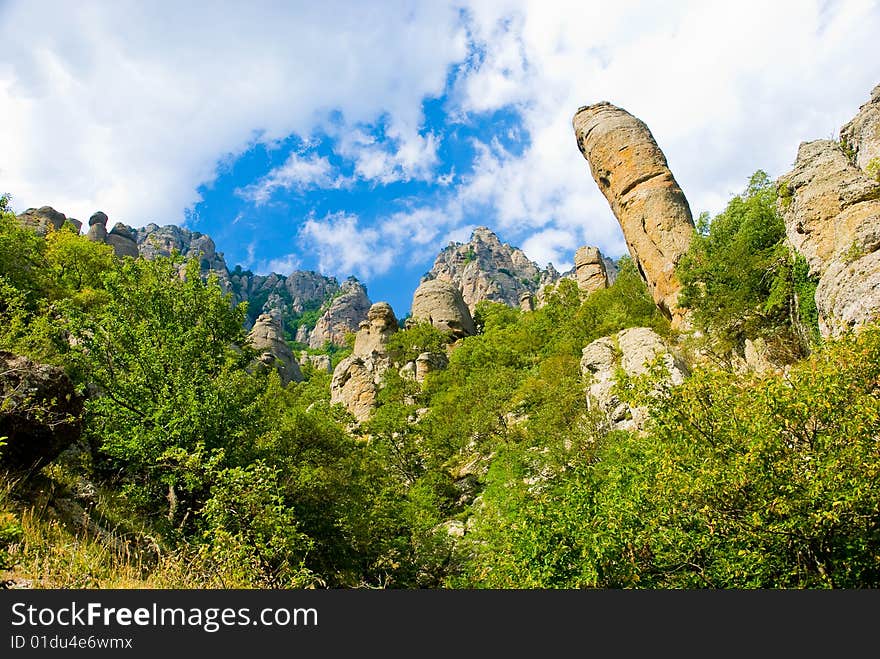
(831, 210)
(356, 379)
(40, 219)
(440, 303)
(632, 351)
(318, 362)
(592, 271)
(589, 266)
(484, 268)
(286, 296)
(632, 173)
(40, 412)
(343, 316)
(861, 136)
(122, 238)
(267, 337)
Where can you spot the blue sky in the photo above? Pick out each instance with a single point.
(315, 203)
(360, 138)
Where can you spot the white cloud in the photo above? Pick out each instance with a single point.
(297, 173)
(403, 155)
(726, 88)
(551, 246)
(283, 265)
(129, 106)
(345, 247)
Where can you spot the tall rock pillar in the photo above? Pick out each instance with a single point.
(632, 173)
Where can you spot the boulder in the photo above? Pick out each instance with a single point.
(632, 173)
(267, 337)
(97, 228)
(631, 351)
(41, 219)
(440, 303)
(40, 412)
(428, 362)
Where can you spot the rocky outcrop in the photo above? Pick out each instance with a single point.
(831, 210)
(41, 219)
(860, 138)
(592, 272)
(428, 362)
(318, 362)
(484, 268)
(632, 173)
(343, 316)
(589, 267)
(357, 378)
(97, 228)
(40, 412)
(441, 304)
(267, 337)
(122, 238)
(633, 351)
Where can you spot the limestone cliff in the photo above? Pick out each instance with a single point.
(831, 209)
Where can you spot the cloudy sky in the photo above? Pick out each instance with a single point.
(361, 137)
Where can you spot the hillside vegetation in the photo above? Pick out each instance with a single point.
(196, 470)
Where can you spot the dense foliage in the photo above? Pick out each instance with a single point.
(740, 279)
(493, 472)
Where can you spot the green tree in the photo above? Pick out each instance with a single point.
(166, 356)
(738, 276)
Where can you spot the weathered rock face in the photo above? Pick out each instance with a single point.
(282, 295)
(267, 337)
(440, 303)
(631, 350)
(356, 379)
(632, 173)
(344, 315)
(40, 219)
(122, 238)
(589, 266)
(40, 412)
(484, 268)
(318, 362)
(862, 136)
(593, 271)
(831, 210)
